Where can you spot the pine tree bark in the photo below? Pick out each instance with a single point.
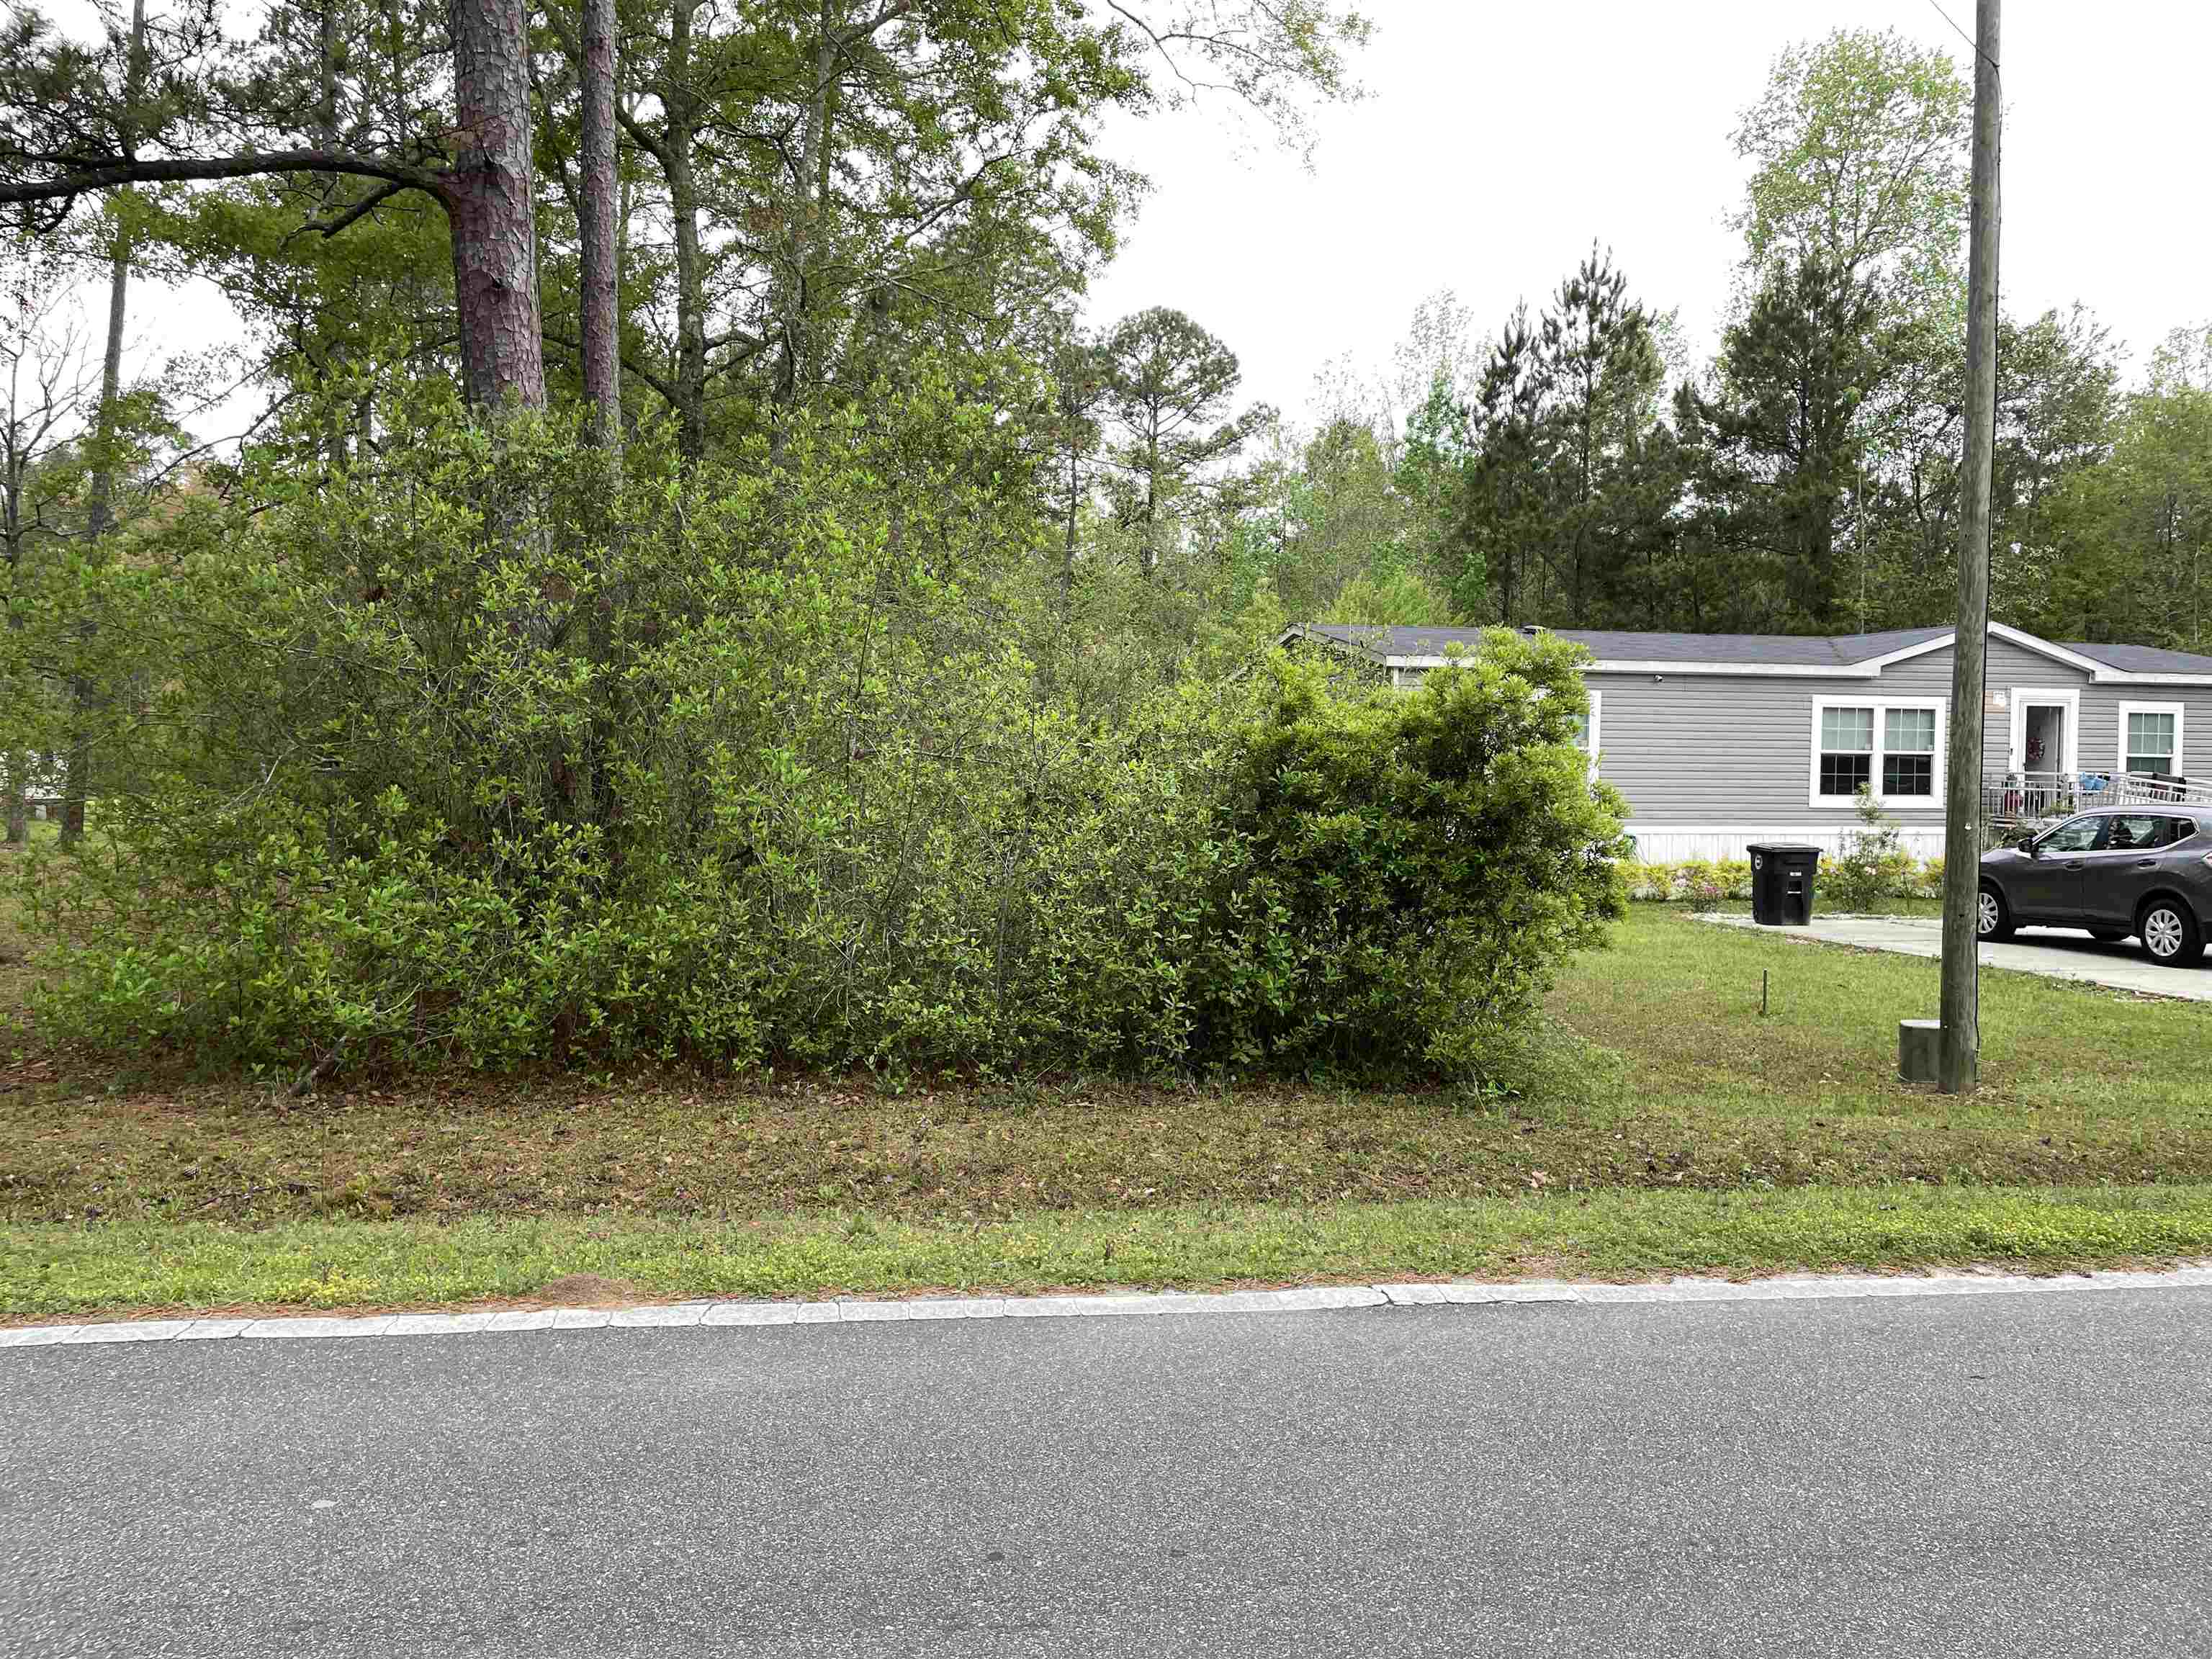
(334, 416)
(488, 196)
(810, 197)
(691, 299)
(15, 765)
(680, 138)
(601, 317)
(100, 492)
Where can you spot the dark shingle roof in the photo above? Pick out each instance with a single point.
(2144, 658)
(1751, 650)
(1610, 646)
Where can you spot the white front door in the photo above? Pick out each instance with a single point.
(2044, 735)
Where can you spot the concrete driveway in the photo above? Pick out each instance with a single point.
(2048, 950)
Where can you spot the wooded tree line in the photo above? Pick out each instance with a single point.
(1566, 468)
(719, 223)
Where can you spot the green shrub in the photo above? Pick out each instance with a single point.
(1873, 865)
(482, 753)
(1403, 873)
(1718, 880)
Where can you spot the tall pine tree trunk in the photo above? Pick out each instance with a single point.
(680, 129)
(15, 764)
(601, 307)
(487, 197)
(690, 299)
(809, 196)
(1074, 499)
(100, 494)
(598, 206)
(333, 415)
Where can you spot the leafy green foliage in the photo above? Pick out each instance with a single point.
(1398, 594)
(1415, 867)
(480, 751)
(2135, 530)
(1873, 865)
(1859, 151)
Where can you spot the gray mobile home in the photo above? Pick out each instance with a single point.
(1719, 739)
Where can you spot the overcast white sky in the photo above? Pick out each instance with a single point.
(1502, 136)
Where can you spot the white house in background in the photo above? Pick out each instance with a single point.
(1717, 740)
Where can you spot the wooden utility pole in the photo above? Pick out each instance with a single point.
(1960, 1065)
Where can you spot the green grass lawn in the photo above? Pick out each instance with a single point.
(1671, 1126)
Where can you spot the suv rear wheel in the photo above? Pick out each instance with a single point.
(2169, 932)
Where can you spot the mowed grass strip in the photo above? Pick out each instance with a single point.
(48, 1272)
(1661, 1075)
(1679, 1000)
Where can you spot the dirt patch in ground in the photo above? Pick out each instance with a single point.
(583, 1291)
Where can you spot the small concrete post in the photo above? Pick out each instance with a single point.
(1919, 1050)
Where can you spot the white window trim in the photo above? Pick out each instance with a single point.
(2180, 713)
(2016, 753)
(1882, 705)
(1596, 707)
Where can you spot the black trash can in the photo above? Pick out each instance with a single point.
(1782, 883)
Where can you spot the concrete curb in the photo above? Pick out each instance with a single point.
(851, 1311)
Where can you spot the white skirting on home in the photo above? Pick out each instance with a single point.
(1669, 843)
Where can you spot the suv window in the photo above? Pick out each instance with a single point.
(2183, 829)
(2078, 835)
(2135, 833)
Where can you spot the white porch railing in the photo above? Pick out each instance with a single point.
(2157, 787)
(2030, 797)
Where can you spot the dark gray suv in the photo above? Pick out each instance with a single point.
(2144, 870)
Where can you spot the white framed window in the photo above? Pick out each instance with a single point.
(2150, 737)
(1909, 737)
(1843, 751)
(1588, 729)
(1890, 747)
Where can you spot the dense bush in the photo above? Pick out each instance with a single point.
(1415, 865)
(483, 752)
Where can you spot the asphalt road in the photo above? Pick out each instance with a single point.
(2017, 1475)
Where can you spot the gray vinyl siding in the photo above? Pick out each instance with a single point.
(2100, 723)
(1715, 750)
(1728, 750)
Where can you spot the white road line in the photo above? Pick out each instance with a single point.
(1793, 1287)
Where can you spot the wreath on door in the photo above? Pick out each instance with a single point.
(2034, 750)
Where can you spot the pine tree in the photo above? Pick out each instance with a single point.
(1774, 452)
